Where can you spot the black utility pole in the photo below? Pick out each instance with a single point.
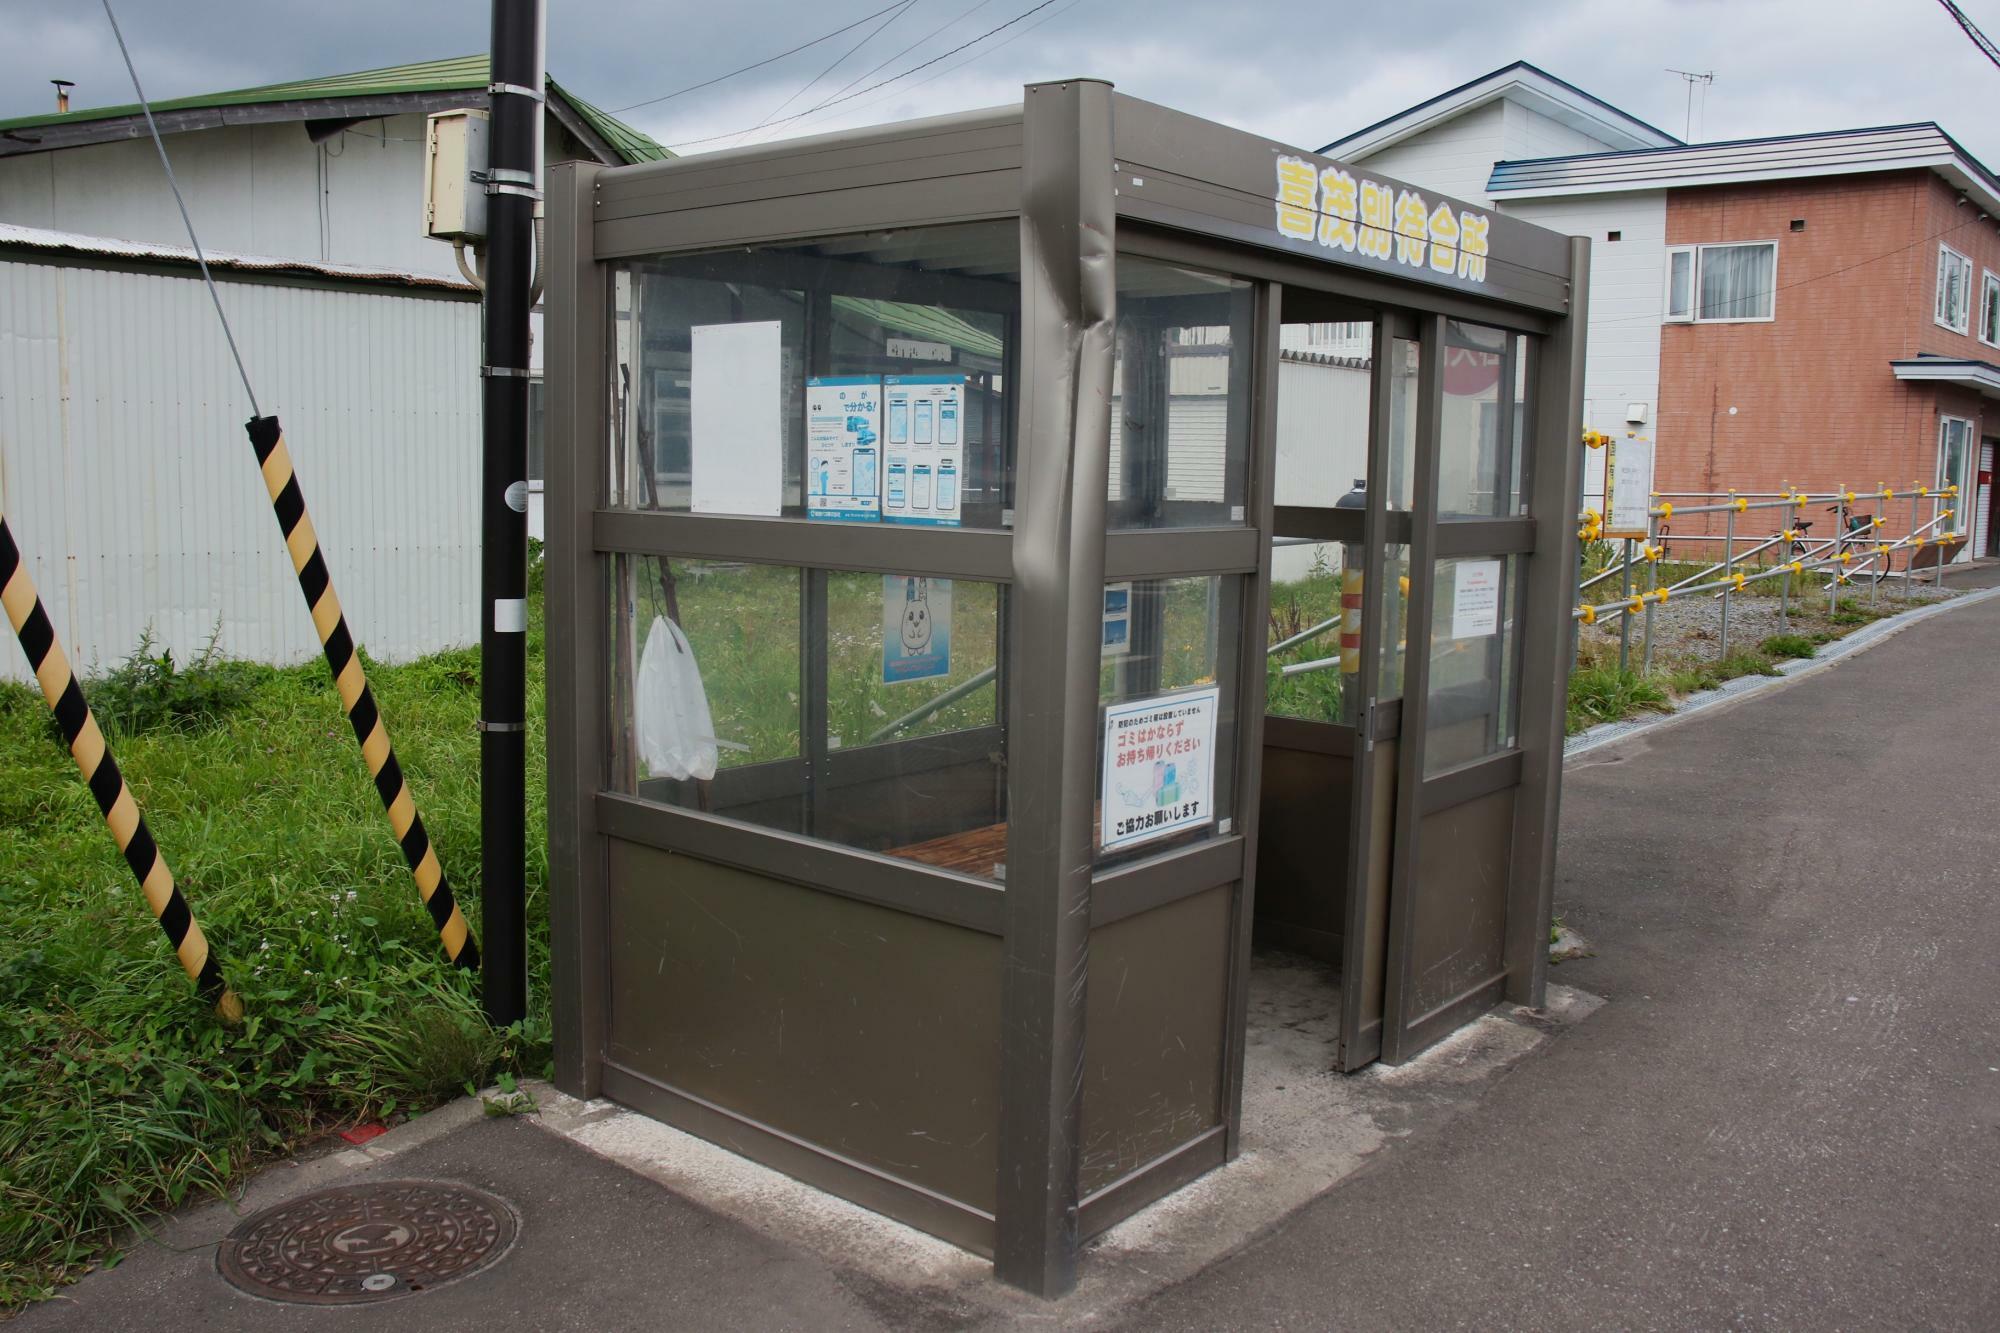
(514, 181)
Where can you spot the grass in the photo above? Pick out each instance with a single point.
(1605, 693)
(742, 622)
(1782, 647)
(1600, 692)
(1700, 676)
(1295, 608)
(120, 1093)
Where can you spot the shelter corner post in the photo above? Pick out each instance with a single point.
(1556, 493)
(1068, 309)
(577, 610)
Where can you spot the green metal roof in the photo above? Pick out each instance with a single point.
(456, 74)
(921, 321)
(627, 142)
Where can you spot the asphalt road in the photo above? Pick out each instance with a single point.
(1789, 1113)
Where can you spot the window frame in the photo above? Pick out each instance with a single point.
(1938, 312)
(1693, 314)
(1989, 308)
(1946, 421)
(1667, 295)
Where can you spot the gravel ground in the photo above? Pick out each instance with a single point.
(1688, 630)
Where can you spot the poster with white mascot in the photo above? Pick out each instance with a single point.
(916, 628)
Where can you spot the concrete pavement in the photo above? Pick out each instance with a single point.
(600, 1248)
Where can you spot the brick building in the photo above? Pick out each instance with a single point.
(1816, 310)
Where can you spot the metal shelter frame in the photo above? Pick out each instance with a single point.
(978, 1024)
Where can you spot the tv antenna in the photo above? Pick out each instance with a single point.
(1691, 78)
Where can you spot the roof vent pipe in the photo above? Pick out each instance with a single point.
(62, 94)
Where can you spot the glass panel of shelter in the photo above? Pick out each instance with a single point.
(911, 308)
(1326, 388)
(1180, 395)
(842, 382)
(1347, 459)
(1180, 438)
(868, 708)
(1345, 433)
(1473, 687)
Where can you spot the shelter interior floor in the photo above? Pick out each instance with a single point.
(1294, 1032)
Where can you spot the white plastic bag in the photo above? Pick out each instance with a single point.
(676, 730)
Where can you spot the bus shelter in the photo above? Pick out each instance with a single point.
(1010, 574)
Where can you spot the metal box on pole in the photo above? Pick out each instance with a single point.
(455, 175)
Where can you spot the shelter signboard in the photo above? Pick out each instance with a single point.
(1475, 602)
(1159, 767)
(1333, 207)
(1180, 171)
(736, 403)
(1631, 469)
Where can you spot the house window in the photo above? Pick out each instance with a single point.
(1680, 284)
(1708, 284)
(1954, 454)
(1954, 290)
(1989, 310)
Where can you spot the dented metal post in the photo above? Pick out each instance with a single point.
(1068, 300)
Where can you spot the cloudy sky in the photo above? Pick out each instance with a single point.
(1298, 72)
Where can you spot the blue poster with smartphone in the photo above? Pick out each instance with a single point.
(923, 449)
(843, 447)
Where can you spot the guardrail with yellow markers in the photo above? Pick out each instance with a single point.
(1858, 549)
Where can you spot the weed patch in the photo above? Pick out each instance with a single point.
(149, 691)
(1606, 694)
(1295, 608)
(1708, 675)
(1781, 647)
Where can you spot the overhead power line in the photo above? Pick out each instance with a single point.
(1979, 39)
(837, 62)
(768, 60)
(880, 65)
(893, 78)
(186, 221)
(994, 49)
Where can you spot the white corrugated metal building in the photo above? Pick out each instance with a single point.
(124, 468)
(130, 484)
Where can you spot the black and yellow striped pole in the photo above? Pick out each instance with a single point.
(268, 438)
(100, 772)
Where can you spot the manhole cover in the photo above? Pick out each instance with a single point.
(366, 1242)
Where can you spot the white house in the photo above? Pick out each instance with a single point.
(1453, 142)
